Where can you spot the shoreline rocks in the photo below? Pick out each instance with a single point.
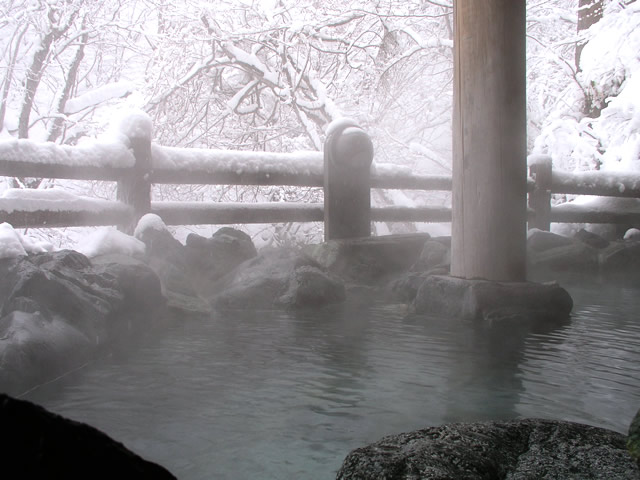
(490, 302)
(57, 310)
(518, 449)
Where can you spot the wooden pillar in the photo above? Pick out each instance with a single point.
(348, 153)
(489, 141)
(135, 188)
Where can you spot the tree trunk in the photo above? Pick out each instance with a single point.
(6, 86)
(589, 13)
(34, 75)
(56, 127)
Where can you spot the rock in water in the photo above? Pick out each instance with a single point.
(633, 441)
(275, 279)
(515, 450)
(35, 443)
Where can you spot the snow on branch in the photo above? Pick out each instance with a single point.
(253, 63)
(97, 96)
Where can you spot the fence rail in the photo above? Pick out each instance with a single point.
(136, 164)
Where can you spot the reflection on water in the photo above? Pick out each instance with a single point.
(282, 395)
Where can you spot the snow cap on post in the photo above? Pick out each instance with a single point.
(135, 124)
(134, 188)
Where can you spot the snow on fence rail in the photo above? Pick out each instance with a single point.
(547, 181)
(135, 163)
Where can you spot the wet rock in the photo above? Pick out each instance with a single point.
(63, 284)
(633, 440)
(435, 255)
(477, 299)
(592, 239)
(58, 309)
(574, 257)
(621, 257)
(138, 282)
(36, 443)
(212, 258)
(168, 258)
(277, 278)
(518, 450)
(37, 345)
(540, 240)
(405, 288)
(370, 260)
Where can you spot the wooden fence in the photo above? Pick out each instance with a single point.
(344, 171)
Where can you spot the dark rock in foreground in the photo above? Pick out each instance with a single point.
(515, 450)
(35, 443)
(633, 440)
(492, 301)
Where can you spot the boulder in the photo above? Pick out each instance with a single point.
(517, 450)
(168, 258)
(61, 283)
(435, 254)
(212, 258)
(633, 439)
(36, 443)
(138, 282)
(540, 240)
(621, 257)
(57, 309)
(405, 288)
(277, 278)
(479, 299)
(549, 252)
(369, 260)
(574, 257)
(189, 272)
(592, 239)
(37, 346)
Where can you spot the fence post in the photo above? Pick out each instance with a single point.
(348, 153)
(540, 199)
(135, 189)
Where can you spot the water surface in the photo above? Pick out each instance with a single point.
(276, 395)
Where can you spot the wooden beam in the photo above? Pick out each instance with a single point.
(489, 146)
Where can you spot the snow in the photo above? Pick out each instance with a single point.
(632, 234)
(53, 199)
(611, 76)
(14, 244)
(252, 61)
(172, 158)
(88, 153)
(10, 244)
(150, 221)
(539, 160)
(602, 182)
(135, 124)
(588, 203)
(341, 124)
(109, 240)
(97, 96)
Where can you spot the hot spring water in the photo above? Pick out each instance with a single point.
(287, 395)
